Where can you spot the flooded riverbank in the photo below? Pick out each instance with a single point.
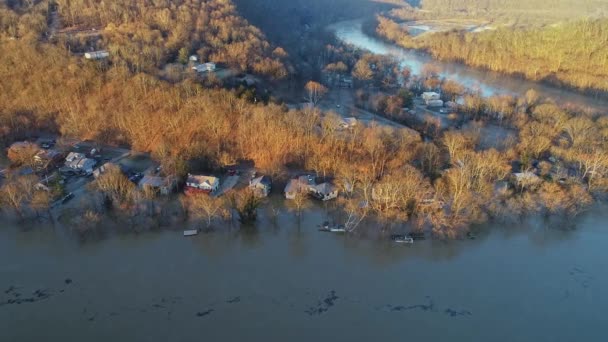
(487, 82)
(285, 280)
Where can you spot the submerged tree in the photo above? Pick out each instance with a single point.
(206, 206)
(245, 203)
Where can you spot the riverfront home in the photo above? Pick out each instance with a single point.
(299, 185)
(324, 191)
(307, 185)
(261, 186)
(162, 185)
(79, 162)
(202, 183)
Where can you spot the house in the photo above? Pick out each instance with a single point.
(324, 191)
(79, 162)
(96, 55)
(206, 184)
(164, 185)
(299, 185)
(348, 123)
(526, 179)
(85, 165)
(205, 67)
(74, 156)
(307, 185)
(193, 58)
(431, 96)
(261, 185)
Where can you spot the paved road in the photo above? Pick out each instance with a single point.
(79, 187)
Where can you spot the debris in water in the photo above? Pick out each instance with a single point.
(204, 313)
(454, 313)
(233, 300)
(323, 305)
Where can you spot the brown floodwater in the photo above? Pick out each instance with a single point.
(285, 281)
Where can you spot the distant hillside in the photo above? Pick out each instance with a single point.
(518, 11)
(573, 54)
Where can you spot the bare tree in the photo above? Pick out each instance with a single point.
(207, 207)
(314, 92)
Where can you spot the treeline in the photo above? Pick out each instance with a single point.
(446, 184)
(573, 54)
(145, 35)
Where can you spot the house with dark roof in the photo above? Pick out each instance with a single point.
(307, 184)
(163, 185)
(261, 185)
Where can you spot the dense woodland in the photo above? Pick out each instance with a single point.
(145, 35)
(445, 183)
(573, 54)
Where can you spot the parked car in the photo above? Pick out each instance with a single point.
(47, 144)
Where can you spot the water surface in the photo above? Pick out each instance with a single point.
(286, 281)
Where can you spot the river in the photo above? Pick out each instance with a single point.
(286, 281)
(487, 82)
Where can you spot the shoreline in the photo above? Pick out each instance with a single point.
(598, 96)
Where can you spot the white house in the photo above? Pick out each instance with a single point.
(95, 55)
(205, 67)
(201, 183)
(84, 165)
(79, 162)
(74, 156)
(324, 191)
(526, 179)
(430, 96)
(348, 123)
